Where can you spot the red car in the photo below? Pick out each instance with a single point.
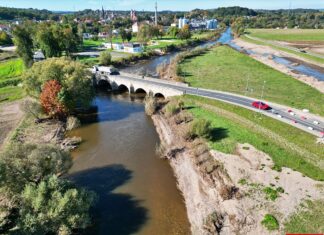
(260, 105)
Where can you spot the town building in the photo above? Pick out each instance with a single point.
(211, 24)
(183, 22)
(135, 27)
(38, 56)
(133, 48)
(87, 36)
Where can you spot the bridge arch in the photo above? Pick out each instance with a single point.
(123, 88)
(159, 95)
(104, 84)
(140, 91)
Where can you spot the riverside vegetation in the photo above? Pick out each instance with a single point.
(35, 199)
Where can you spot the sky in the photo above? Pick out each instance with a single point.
(184, 5)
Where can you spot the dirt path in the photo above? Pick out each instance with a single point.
(260, 50)
(10, 116)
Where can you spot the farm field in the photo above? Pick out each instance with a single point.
(288, 34)
(225, 69)
(10, 72)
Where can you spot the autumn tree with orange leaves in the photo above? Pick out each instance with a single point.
(49, 99)
(61, 84)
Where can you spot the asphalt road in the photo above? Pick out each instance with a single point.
(275, 112)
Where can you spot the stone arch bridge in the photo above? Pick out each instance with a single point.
(137, 84)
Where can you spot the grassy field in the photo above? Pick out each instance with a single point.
(300, 54)
(11, 68)
(225, 69)
(10, 72)
(285, 144)
(288, 34)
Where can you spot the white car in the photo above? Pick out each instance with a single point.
(279, 116)
(316, 122)
(310, 128)
(292, 113)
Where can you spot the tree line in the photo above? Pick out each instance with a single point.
(52, 38)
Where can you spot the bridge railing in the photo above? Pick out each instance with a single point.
(153, 79)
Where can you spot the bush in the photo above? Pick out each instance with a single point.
(54, 206)
(105, 58)
(26, 163)
(31, 107)
(271, 194)
(270, 222)
(150, 105)
(171, 109)
(200, 128)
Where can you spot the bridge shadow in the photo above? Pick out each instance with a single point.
(218, 134)
(111, 107)
(114, 213)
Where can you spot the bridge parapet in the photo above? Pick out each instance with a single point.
(133, 83)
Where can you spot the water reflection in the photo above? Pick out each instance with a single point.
(137, 190)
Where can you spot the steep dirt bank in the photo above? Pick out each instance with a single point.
(258, 55)
(226, 193)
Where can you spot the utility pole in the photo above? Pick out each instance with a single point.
(156, 9)
(262, 93)
(247, 85)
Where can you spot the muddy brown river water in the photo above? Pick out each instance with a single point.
(137, 191)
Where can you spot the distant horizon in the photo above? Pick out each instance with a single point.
(165, 5)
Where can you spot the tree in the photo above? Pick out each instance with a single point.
(74, 79)
(129, 36)
(173, 32)
(49, 99)
(109, 31)
(105, 58)
(123, 34)
(184, 33)
(5, 39)
(157, 31)
(54, 207)
(144, 34)
(48, 43)
(31, 163)
(24, 44)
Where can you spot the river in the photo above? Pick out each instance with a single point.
(137, 190)
(149, 67)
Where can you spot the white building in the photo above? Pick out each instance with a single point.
(135, 27)
(114, 46)
(183, 22)
(133, 48)
(211, 24)
(38, 56)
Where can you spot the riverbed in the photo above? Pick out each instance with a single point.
(137, 190)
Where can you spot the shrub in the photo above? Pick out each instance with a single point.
(271, 194)
(150, 105)
(105, 58)
(200, 128)
(171, 109)
(270, 222)
(183, 117)
(32, 108)
(54, 206)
